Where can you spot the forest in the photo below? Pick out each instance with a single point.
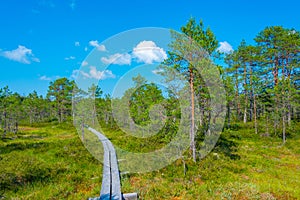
(262, 91)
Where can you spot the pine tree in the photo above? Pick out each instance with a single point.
(181, 53)
(60, 94)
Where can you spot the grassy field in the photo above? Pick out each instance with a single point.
(47, 162)
(50, 162)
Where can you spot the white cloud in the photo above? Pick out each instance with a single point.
(75, 73)
(45, 78)
(145, 52)
(85, 74)
(94, 73)
(77, 44)
(21, 54)
(118, 59)
(84, 63)
(148, 52)
(86, 49)
(100, 75)
(95, 43)
(70, 58)
(157, 71)
(225, 47)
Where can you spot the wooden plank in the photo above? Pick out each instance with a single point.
(131, 196)
(106, 178)
(111, 184)
(116, 183)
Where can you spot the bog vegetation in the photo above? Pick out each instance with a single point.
(256, 157)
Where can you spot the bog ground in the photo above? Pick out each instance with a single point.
(50, 162)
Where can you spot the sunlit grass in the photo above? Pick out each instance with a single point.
(50, 162)
(53, 164)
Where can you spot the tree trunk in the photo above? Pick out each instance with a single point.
(267, 125)
(184, 165)
(192, 125)
(245, 109)
(82, 128)
(106, 117)
(275, 125)
(246, 95)
(289, 113)
(30, 118)
(288, 76)
(275, 70)
(251, 94)
(228, 115)
(237, 103)
(94, 114)
(16, 126)
(245, 115)
(283, 129)
(4, 124)
(254, 113)
(289, 106)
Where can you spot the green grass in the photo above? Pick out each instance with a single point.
(50, 162)
(47, 163)
(243, 166)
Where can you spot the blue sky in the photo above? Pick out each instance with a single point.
(42, 40)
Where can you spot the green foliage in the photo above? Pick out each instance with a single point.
(263, 78)
(141, 101)
(204, 37)
(60, 94)
(17, 170)
(36, 107)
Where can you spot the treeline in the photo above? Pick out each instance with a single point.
(33, 108)
(262, 83)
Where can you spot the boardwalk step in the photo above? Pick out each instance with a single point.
(131, 196)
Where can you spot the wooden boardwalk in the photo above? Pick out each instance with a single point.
(111, 184)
